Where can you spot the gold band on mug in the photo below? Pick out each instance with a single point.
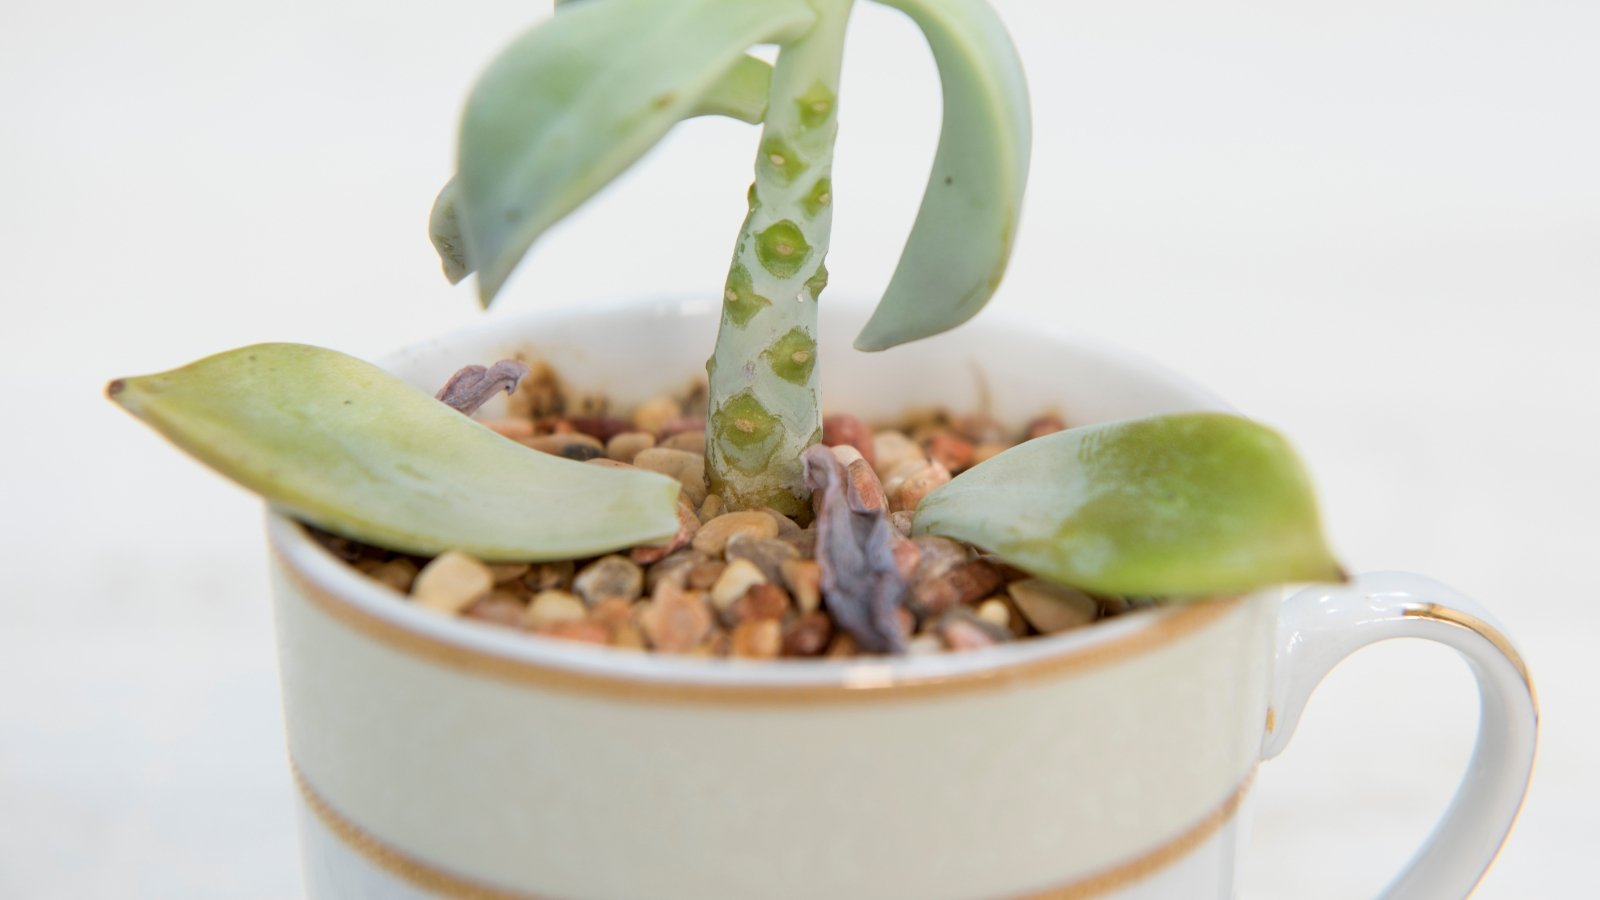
(441, 881)
(866, 683)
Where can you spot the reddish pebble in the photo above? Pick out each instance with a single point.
(500, 608)
(840, 428)
(761, 601)
(681, 425)
(807, 635)
(757, 639)
(602, 428)
(950, 451)
(966, 583)
(676, 621)
(1044, 425)
(584, 632)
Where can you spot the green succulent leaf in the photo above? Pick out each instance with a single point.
(350, 448)
(962, 237)
(565, 109)
(1178, 506)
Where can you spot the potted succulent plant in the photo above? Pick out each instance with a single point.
(431, 750)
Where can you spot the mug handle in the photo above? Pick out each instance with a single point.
(1320, 626)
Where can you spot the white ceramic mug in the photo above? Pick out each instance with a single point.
(445, 757)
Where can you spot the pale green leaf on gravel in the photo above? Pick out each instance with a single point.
(579, 98)
(963, 234)
(351, 449)
(1178, 506)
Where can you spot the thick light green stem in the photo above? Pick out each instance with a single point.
(764, 405)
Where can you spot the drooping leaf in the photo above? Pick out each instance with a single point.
(1177, 506)
(578, 99)
(962, 237)
(350, 448)
(740, 94)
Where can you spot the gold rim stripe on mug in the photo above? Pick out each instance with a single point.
(1173, 625)
(440, 881)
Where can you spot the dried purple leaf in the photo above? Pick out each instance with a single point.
(861, 585)
(472, 387)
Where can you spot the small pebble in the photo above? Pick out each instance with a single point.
(549, 575)
(924, 644)
(1051, 607)
(674, 567)
(714, 535)
(498, 608)
(601, 427)
(843, 646)
(762, 601)
(676, 621)
(864, 482)
(961, 630)
(920, 485)
(682, 425)
(516, 429)
(995, 612)
(986, 452)
(952, 452)
(786, 525)
(807, 635)
(651, 415)
(688, 468)
(451, 582)
(613, 615)
(504, 572)
(964, 584)
(845, 430)
(629, 444)
(981, 428)
(803, 578)
(712, 507)
(572, 445)
(902, 520)
(769, 554)
(891, 449)
(398, 574)
(846, 454)
(688, 527)
(739, 576)
(692, 441)
(1043, 425)
(757, 639)
(609, 577)
(552, 606)
(705, 574)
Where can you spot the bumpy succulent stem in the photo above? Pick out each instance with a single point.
(764, 406)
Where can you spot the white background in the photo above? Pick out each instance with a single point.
(1374, 225)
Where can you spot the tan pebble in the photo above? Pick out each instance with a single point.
(682, 425)
(719, 644)
(952, 452)
(676, 621)
(786, 525)
(966, 633)
(907, 555)
(1113, 605)
(712, 507)
(705, 574)
(653, 414)
(551, 606)
(601, 427)
(516, 429)
(498, 608)
(840, 430)
(891, 449)
(550, 575)
(807, 635)
(451, 582)
(762, 601)
(1051, 607)
(902, 520)
(504, 572)
(803, 577)
(938, 555)
(688, 468)
(964, 584)
(986, 452)
(625, 446)
(924, 644)
(583, 632)
(628, 637)
(995, 612)
(674, 567)
(608, 577)
(396, 573)
(843, 646)
(714, 535)
(757, 639)
(692, 441)
(901, 472)
(769, 554)
(804, 540)
(919, 486)
(739, 576)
